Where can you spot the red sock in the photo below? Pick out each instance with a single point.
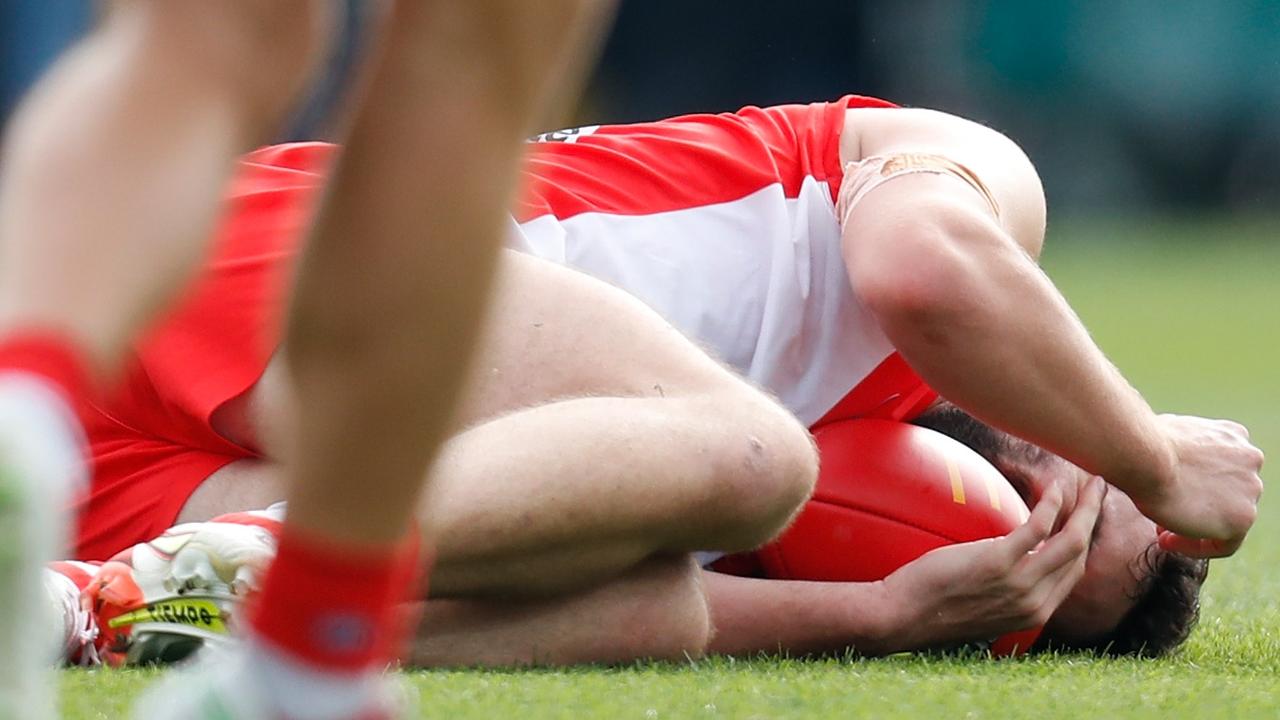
(53, 357)
(336, 607)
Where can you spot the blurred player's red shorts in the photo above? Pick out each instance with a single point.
(152, 443)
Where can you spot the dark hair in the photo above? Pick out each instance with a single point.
(1165, 610)
(994, 446)
(1167, 600)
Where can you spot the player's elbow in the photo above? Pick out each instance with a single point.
(1026, 216)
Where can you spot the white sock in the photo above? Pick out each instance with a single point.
(41, 467)
(41, 436)
(302, 691)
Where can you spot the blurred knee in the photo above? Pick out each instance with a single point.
(261, 52)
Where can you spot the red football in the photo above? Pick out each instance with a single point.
(887, 493)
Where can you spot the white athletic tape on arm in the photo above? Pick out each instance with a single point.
(869, 173)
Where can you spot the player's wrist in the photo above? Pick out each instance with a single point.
(1149, 476)
(881, 619)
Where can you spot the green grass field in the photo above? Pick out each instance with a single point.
(1191, 312)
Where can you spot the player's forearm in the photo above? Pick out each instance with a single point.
(986, 329)
(751, 615)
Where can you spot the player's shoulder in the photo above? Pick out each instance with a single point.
(993, 155)
(869, 130)
(989, 154)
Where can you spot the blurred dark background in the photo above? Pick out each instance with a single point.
(1136, 106)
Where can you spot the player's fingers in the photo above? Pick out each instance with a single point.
(1237, 428)
(1027, 536)
(1061, 583)
(1207, 548)
(1065, 576)
(1072, 542)
(1046, 592)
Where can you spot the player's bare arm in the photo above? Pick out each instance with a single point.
(948, 266)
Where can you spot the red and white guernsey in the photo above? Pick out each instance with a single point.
(726, 225)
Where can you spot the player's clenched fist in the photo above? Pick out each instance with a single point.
(1207, 507)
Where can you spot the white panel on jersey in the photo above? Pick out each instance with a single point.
(760, 281)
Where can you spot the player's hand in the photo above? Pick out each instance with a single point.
(980, 590)
(1211, 502)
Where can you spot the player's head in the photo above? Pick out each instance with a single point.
(1134, 597)
(1165, 593)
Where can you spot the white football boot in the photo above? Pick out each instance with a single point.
(222, 562)
(161, 600)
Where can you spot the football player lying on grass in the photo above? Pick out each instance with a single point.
(827, 252)
(150, 601)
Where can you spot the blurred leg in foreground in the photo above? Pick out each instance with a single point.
(389, 299)
(112, 170)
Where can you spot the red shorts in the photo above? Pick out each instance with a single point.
(152, 442)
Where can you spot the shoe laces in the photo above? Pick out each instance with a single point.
(80, 646)
(84, 638)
